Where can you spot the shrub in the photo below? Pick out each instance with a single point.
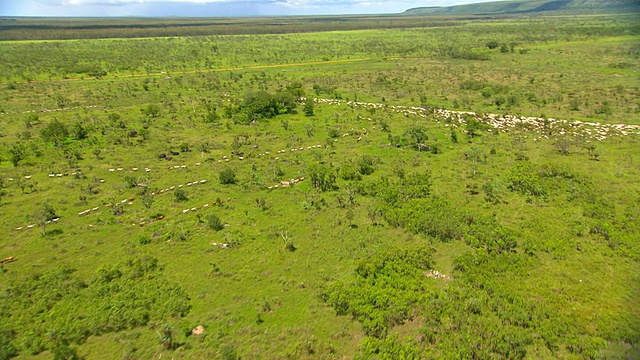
(214, 222)
(180, 195)
(227, 177)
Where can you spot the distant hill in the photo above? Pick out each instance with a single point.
(531, 6)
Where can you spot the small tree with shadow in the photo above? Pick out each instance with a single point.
(227, 177)
(288, 242)
(180, 195)
(214, 222)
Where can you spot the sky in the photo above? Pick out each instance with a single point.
(211, 8)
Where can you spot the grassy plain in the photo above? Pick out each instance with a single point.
(536, 232)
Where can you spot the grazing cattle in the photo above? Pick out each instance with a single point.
(160, 217)
(13, 258)
(168, 158)
(162, 155)
(175, 153)
(199, 330)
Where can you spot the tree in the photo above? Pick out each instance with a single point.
(180, 195)
(308, 107)
(152, 110)
(286, 101)
(473, 126)
(349, 217)
(214, 222)
(211, 116)
(365, 165)
(227, 177)
(563, 145)
(492, 44)
(475, 155)
(417, 136)
(18, 153)
(55, 132)
(30, 120)
(79, 132)
(43, 216)
(147, 200)
(288, 242)
(322, 177)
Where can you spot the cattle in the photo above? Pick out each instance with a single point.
(162, 155)
(13, 258)
(175, 153)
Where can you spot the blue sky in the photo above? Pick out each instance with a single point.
(102, 8)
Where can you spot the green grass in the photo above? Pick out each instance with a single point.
(265, 301)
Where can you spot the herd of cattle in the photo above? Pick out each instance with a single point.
(503, 123)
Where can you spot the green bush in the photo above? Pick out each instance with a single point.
(180, 195)
(227, 177)
(214, 222)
